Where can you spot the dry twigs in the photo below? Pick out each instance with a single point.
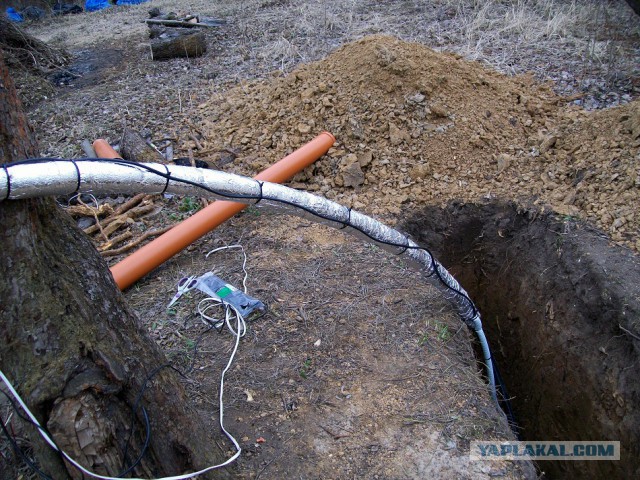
(27, 51)
(122, 216)
(122, 213)
(115, 241)
(129, 246)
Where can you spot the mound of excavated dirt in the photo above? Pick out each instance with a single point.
(418, 127)
(594, 170)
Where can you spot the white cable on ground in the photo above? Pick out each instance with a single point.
(244, 261)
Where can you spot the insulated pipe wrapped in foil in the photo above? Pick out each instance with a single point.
(373, 231)
(280, 199)
(37, 179)
(99, 177)
(458, 296)
(227, 184)
(63, 177)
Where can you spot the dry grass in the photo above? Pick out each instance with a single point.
(504, 33)
(594, 41)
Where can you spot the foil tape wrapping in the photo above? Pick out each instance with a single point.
(220, 185)
(38, 180)
(99, 177)
(280, 199)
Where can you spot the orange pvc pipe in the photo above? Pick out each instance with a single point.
(152, 255)
(104, 150)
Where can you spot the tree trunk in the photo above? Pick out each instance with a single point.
(74, 350)
(133, 147)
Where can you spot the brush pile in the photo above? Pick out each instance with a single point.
(25, 51)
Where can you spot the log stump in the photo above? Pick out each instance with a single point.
(174, 43)
(135, 148)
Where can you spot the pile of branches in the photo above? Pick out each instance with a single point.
(20, 49)
(112, 226)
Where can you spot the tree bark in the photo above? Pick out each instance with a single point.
(75, 352)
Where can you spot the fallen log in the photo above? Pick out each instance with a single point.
(179, 23)
(135, 148)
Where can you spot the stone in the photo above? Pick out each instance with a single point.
(548, 143)
(304, 128)
(420, 171)
(396, 135)
(365, 159)
(352, 174)
(438, 111)
(308, 93)
(504, 161)
(85, 222)
(417, 98)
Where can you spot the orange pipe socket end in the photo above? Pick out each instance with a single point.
(155, 253)
(104, 150)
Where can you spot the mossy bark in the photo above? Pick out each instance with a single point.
(73, 349)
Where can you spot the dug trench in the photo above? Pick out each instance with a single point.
(561, 306)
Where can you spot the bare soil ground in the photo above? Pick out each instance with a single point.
(392, 389)
(355, 372)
